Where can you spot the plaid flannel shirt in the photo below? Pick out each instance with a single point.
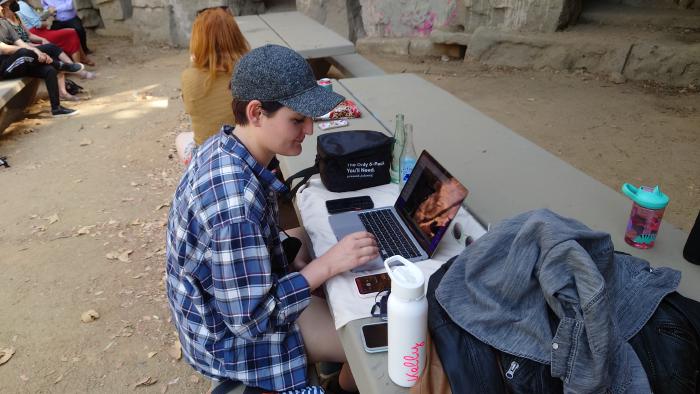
(232, 295)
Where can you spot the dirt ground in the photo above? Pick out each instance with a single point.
(633, 132)
(84, 204)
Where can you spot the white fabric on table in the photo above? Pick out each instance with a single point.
(344, 300)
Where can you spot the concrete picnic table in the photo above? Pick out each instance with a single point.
(505, 173)
(296, 31)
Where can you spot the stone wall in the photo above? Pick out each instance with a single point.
(163, 21)
(420, 18)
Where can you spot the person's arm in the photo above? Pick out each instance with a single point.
(185, 86)
(43, 58)
(249, 297)
(352, 251)
(7, 49)
(34, 38)
(58, 5)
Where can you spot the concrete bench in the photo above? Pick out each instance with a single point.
(15, 96)
(314, 41)
(355, 65)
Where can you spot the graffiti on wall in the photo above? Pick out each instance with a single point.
(407, 18)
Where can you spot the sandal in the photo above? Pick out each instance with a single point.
(70, 97)
(87, 75)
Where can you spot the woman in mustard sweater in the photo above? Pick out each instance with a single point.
(215, 47)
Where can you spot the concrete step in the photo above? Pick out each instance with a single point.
(620, 15)
(672, 58)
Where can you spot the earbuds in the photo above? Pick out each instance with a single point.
(460, 236)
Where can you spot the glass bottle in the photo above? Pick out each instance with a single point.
(399, 139)
(408, 156)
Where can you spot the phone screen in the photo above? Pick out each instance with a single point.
(375, 336)
(373, 283)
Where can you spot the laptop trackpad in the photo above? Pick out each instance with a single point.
(345, 223)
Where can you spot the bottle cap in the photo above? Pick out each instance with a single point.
(407, 280)
(646, 197)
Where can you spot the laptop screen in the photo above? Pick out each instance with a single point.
(429, 201)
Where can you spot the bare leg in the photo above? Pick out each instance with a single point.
(64, 58)
(184, 142)
(83, 58)
(321, 339)
(63, 93)
(62, 85)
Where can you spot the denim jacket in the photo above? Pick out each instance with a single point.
(500, 287)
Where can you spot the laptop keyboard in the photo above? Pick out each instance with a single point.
(390, 235)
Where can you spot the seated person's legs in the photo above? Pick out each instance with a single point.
(76, 24)
(184, 145)
(321, 339)
(25, 63)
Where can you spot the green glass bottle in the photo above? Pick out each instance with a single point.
(408, 156)
(399, 140)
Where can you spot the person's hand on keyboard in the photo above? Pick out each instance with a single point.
(352, 251)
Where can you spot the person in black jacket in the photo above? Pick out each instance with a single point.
(19, 59)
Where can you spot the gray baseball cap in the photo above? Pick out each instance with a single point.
(277, 73)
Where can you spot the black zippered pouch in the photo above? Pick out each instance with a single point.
(349, 160)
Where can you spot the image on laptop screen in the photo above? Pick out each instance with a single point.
(429, 201)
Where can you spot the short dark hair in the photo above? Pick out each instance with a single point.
(239, 110)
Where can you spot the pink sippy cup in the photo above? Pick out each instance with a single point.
(645, 219)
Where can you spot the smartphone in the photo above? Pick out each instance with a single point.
(375, 337)
(368, 285)
(349, 204)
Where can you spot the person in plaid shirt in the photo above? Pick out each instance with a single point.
(242, 311)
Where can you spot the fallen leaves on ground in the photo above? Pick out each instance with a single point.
(89, 316)
(53, 218)
(151, 354)
(6, 354)
(175, 350)
(124, 256)
(109, 345)
(85, 230)
(147, 381)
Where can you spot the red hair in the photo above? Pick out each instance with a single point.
(217, 43)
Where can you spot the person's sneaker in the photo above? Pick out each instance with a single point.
(69, 67)
(62, 112)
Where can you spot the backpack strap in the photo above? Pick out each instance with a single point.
(304, 175)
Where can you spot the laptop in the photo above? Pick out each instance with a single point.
(416, 223)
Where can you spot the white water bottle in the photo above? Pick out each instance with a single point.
(407, 311)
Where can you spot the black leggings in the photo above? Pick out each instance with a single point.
(51, 50)
(76, 24)
(25, 63)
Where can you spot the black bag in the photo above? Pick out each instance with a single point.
(73, 88)
(349, 160)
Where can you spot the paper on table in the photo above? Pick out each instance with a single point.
(345, 303)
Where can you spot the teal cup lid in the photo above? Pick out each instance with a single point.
(646, 197)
